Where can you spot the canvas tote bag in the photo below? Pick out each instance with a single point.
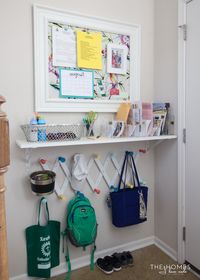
(43, 245)
(129, 206)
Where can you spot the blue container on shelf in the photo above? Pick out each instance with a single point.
(33, 131)
(42, 136)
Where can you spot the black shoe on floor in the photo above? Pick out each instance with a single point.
(129, 257)
(104, 265)
(114, 262)
(125, 258)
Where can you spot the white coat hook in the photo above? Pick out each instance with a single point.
(65, 169)
(117, 165)
(102, 165)
(91, 183)
(62, 163)
(58, 190)
(102, 170)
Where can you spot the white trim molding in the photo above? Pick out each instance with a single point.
(84, 261)
(131, 246)
(166, 249)
(181, 127)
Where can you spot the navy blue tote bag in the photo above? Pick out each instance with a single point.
(129, 206)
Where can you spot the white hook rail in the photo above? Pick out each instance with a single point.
(113, 160)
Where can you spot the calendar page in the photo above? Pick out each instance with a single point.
(76, 83)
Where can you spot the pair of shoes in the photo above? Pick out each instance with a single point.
(128, 257)
(108, 264)
(125, 258)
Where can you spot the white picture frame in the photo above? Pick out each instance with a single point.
(117, 58)
(42, 16)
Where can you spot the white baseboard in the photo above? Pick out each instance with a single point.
(84, 261)
(131, 246)
(195, 273)
(166, 249)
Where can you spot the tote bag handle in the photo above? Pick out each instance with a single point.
(122, 172)
(133, 169)
(43, 200)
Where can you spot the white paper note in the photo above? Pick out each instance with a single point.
(64, 47)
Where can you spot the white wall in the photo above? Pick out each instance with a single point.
(17, 86)
(166, 50)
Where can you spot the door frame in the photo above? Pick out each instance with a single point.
(182, 20)
(181, 126)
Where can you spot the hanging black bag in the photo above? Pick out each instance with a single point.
(129, 205)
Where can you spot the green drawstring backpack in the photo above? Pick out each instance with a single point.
(81, 227)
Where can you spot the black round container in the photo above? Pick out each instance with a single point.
(42, 182)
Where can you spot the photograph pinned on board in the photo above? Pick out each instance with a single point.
(117, 58)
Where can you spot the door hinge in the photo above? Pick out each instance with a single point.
(184, 29)
(184, 135)
(188, 1)
(184, 233)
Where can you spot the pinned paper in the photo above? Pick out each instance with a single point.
(64, 47)
(89, 48)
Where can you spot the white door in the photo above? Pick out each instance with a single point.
(193, 134)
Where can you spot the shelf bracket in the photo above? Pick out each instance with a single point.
(27, 160)
(153, 145)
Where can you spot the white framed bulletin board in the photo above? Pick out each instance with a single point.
(84, 63)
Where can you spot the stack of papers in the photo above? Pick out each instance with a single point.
(160, 116)
(149, 119)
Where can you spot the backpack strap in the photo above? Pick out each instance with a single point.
(92, 254)
(92, 257)
(67, 256)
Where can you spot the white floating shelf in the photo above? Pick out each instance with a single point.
(23, 144)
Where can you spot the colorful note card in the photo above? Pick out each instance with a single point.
(76, 83)
(89, 50)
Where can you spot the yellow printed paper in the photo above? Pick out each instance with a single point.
(89, 47)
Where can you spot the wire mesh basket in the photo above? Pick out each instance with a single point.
(52, 132)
